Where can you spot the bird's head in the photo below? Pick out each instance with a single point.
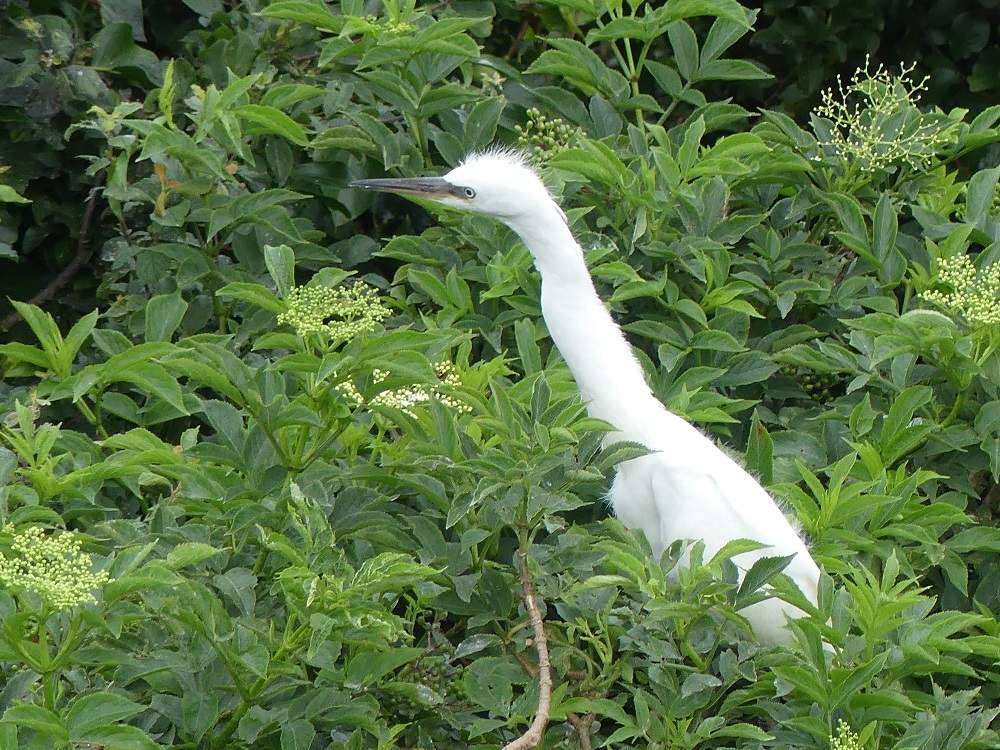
(496, 183)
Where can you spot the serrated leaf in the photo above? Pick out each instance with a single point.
(91, 711)
(32, 716)
(272, 121)
(199, 712)
(884, 228)
(621, 451)
(474, 644)
(313, 12)
(685, 46)
(163, 315)
(154, 380)
(255, 294)
(735, 547)
(762, 571)
(117, 737)
(280, 261)
(189, 553)
(367, 667)
(297, 734)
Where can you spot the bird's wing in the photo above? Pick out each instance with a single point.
(710, 498)
(717, 503)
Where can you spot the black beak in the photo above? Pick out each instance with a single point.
(434, 188)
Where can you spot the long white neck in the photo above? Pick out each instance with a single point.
(606, 370)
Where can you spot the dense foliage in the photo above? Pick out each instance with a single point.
(805, 43)
(302, 463)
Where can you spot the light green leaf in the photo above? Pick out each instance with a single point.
(189, 553)
(271, 121)
(10, 195)
(255, 294)
(685, 46)
(313, 12)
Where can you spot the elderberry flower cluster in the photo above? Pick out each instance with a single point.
(846, 739)
(338, 313)
(544, 137)
(876, 123)
(973, 294)
(404, 398)
(388, 26)
(53, 567)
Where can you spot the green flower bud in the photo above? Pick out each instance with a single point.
(53, 567)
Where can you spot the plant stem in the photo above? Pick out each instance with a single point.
(49, 677)
(533, 735)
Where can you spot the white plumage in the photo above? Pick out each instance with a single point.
(688, 488)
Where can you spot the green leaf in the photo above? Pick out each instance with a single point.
(47, 332)
(745, 368)
(762, 571)
(687, 155)
(625, 27)
(41, 720)
(621, 451)
(255, 294)
(981, 196)
(734, 548)
(885, 227)
(31, 355)
(902, 409)
(760, 451)
(199, 712)
(79, 334)
(97, 709)
(368, 667)
(581, 67)
(978, 539)
(297, 734)
(849, 212)
(313, 12)
(163, 315)
(189, 553)
(120, 737)
(10, 195)
(674, 10)
(114, 48)
(527, 347)
(272, 121)
(445, 36)
(685, 46)
(167, 90)
(730, 70)
(152, 378)
(848, 683)
(481, 124)
(280, 260)
(263, 208)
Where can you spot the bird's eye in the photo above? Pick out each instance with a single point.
(469, 193)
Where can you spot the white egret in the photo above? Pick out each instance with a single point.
(687, 488)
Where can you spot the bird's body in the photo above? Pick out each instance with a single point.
(687, 488)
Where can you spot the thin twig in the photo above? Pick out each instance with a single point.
(522, 32)
(74, 266)
(533, 735)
